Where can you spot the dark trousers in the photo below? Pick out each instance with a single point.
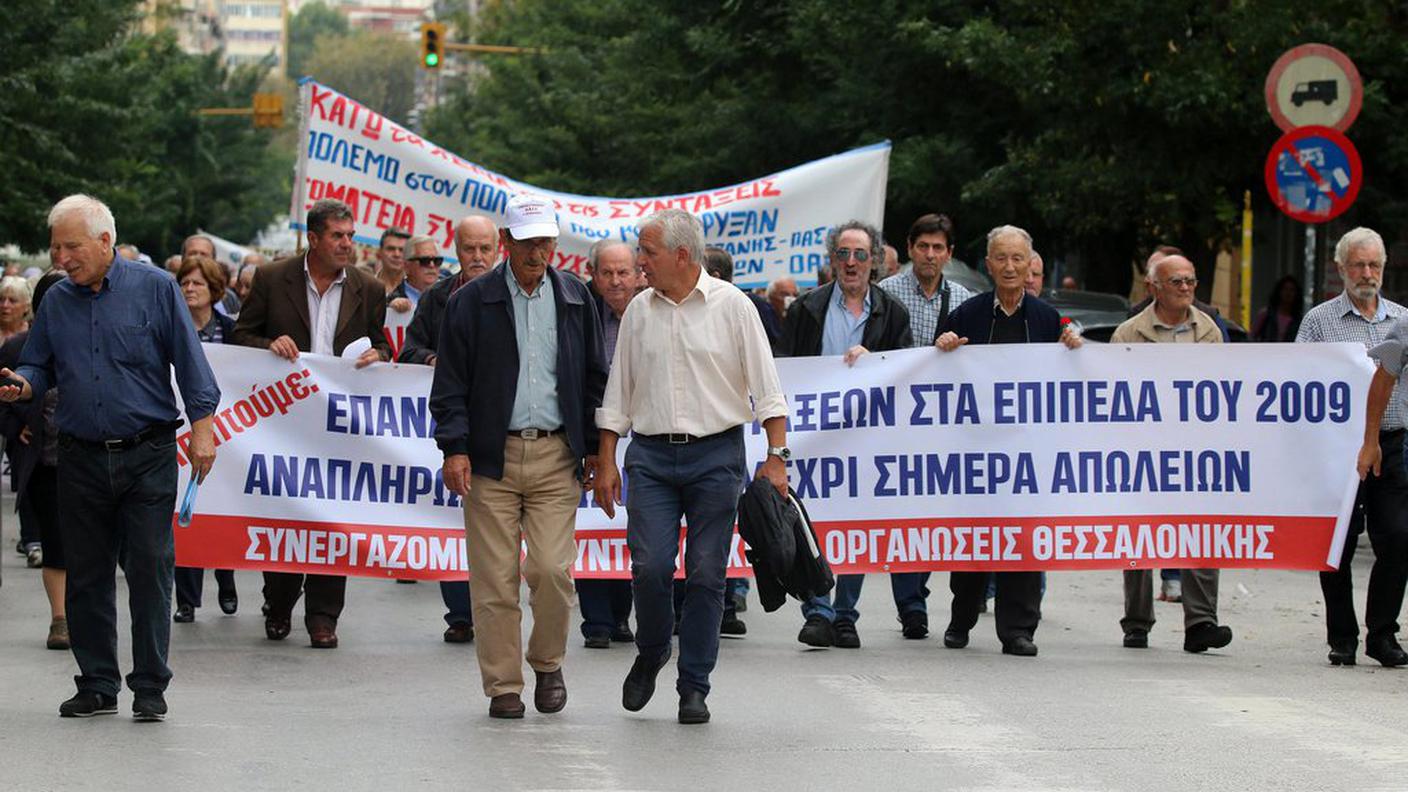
(1017, 608)
(455, 594)
(700, 481)
(604, 604)
(325, 595)
(115, 503)
(41, 496)
(1381, 507)
(190, 584)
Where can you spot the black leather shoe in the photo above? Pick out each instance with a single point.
(622, 633)
(640, 682)
(1387, 651)
(732, 625)
(915, 625)
(148, 706)
(1136, 639)
(459, 632)
(955, 639)
(184, 614)
(276, 629)
(229, 602)
(692, 707)
(597, 642)
(1205, 636)
(1021, 646)
(817, 632)
(87, 703)
(846, 635)
(1343, 654)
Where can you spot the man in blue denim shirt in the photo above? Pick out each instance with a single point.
(108, 337)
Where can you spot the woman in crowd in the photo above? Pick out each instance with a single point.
(1280, 319)
(14, 323)
(203, 285)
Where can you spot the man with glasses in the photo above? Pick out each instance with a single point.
(422, 270)
(1362, 315)
(929, 297)
(1171, 318)
(848, 318)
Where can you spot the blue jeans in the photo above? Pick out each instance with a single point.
(455, 593)
(111, 504)
(910, 590)
(700, 481)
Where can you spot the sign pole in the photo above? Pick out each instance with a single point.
(1309, 282)
(1244, 297)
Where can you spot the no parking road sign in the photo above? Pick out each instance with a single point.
(1313, 174)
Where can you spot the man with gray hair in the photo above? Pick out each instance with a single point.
(108, 338)
(1006, 315)
(1362, 315)
(686, 456)
(422, 268)
(1172, 318)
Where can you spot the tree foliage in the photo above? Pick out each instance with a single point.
(1102, 126)
(312, 20)
(376, 69)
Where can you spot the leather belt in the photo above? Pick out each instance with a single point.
(124, 443)
(533, 434)
(684, 439)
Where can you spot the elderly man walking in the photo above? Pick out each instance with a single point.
(1006, 315)
(518, 377)
(108, 338)
(1171, 318)
(691, 353)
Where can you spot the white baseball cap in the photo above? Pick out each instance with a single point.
(530, 217)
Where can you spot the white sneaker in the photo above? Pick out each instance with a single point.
(1172, 591)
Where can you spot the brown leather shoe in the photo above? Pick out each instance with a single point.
(459, 632)
(550, 694)
(506, 705)
(322, 633)
(58, 634)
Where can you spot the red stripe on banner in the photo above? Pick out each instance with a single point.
(1027, 543)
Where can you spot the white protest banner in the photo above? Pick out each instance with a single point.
(995, 457)
(773, 226)
(394, 328)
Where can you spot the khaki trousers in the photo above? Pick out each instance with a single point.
(1199, 598)
(535, 502)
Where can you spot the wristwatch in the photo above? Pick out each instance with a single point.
(781, 452)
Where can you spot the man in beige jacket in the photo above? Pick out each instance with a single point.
(1172, 319)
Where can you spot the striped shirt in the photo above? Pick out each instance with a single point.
(924, 310)
(1338, 320)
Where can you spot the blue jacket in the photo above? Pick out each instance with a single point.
(973, 319)
(476, 369)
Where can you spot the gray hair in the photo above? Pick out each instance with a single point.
(325, 209)
(877, 243)
(1008, 230)
(777, 285)
(678, 229)
(1355, 238)
(421, 239)
(96, 215)
(601, 246)
(16, 287)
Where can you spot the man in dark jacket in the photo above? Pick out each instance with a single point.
(519, 374)
(849, 316)
(477, 246)
(1007, 315)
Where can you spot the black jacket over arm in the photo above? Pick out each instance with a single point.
(886, 329)
(476, 371)
(973, 320)
(423, 333)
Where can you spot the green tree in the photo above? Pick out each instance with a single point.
(376, 69)
(312, 20)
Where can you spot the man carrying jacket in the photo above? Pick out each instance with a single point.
(846, 317)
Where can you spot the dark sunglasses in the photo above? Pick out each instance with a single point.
(430, 261)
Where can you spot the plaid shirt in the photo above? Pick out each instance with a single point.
(1339, 320)
(923, 310)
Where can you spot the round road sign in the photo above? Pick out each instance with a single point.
(1313, 174)
(1314, 85)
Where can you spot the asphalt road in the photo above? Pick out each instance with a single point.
(395, 706)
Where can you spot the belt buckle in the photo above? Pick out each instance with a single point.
(114, 445)
(678, 439)
(529, 434)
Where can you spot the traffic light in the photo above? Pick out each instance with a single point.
(268, 110)
(432, 44)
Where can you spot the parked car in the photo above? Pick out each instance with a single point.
(1094, 314)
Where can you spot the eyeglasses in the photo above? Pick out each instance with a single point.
(429, 261)
(1371, 266)
(1179, 283)
(845, 254)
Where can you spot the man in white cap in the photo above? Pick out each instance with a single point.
(519, 373)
